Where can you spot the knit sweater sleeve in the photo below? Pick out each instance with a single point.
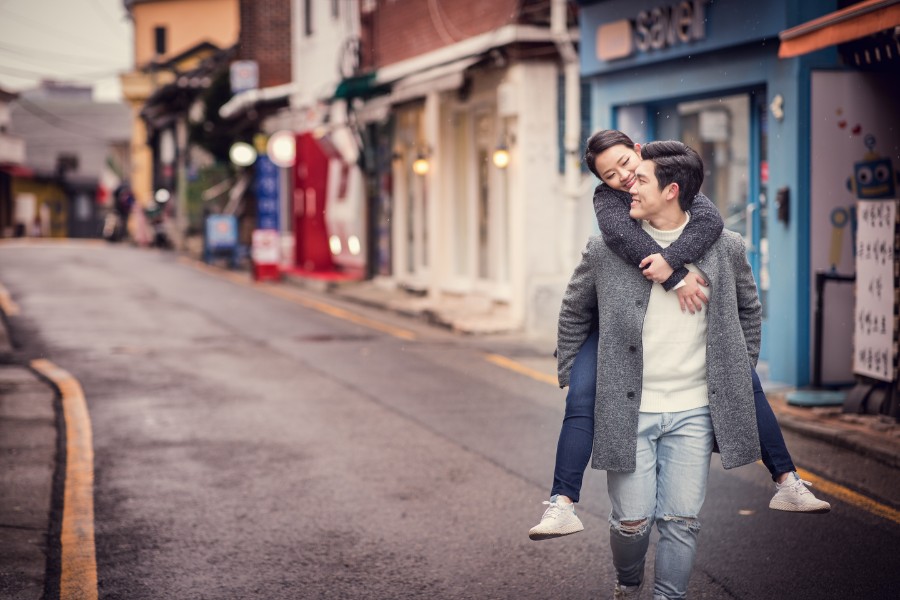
(627, 238)
(701, 232)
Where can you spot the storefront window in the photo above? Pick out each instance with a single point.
(729, 132)
(411, 208)
(719, 129)
(483, 132)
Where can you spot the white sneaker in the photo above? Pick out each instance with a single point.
(559, 519)
(793, 496)
(627, 591)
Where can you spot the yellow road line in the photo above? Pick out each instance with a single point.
(322, 307)
(78, 564)
(850, 497)
(512, 365)
(827, 487)
(9, 307)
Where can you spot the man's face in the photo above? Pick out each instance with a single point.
(647, 200)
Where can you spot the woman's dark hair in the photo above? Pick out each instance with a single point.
(600, 142)
(679, 163)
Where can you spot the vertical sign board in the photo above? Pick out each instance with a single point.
(874, 353)
(266, 188)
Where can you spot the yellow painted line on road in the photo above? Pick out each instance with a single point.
(830, 488)
(78, 563)
(508, 363)
(290, 296)
(7, 305)
(850, 497)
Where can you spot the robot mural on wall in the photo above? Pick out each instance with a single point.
(874, 177)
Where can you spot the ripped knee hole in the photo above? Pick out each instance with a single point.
(632, 527)
(692, 522)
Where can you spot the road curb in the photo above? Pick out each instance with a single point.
(856, 441)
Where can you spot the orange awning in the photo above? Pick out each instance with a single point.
(851, 23)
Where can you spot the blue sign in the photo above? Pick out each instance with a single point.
(221, 232)
(266, 188)
(622, 34)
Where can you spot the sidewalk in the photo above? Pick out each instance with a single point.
(28, 457)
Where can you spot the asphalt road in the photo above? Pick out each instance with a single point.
(251, 443)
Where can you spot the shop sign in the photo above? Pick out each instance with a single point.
(267, 194)
(652, 30)
(265, 247)
(244, 75)
(221, 232)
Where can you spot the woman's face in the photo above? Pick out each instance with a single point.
(616, 166)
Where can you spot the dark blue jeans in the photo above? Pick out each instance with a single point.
(576, 439)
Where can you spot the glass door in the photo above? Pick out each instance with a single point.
(729, 133)
(411, 258)
(479, 211)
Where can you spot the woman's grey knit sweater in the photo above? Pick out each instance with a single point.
(627, 238)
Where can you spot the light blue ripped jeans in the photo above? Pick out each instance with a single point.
(668, 487)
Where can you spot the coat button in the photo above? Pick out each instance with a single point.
(630, 394)
(632, 349)
(638, 303)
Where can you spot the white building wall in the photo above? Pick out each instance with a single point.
(539, 261)
(316, 68)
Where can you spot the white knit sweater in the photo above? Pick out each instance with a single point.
(674, 377)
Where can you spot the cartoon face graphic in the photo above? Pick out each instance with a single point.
(874, 179)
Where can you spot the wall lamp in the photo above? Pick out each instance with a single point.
(421, 165)
(501, 156)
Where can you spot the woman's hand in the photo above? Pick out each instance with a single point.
(690, 296)
(656, 269)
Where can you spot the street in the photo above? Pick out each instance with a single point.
(263, 441)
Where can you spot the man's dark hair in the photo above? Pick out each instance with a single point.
(675, 162)
(600, 142)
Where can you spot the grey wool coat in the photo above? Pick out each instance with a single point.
(604, 284)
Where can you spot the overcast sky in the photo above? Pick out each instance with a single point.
(84, 41)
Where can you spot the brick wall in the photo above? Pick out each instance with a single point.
(266, 38)
(401, 29)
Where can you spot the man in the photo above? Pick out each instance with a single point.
(670, 384)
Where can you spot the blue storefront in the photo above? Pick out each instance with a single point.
(708, 73)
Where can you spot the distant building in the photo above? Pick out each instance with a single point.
(168, 34)
(12, 158)
(73, 148)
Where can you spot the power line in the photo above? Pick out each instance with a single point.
(28, 74)
(36, 52)
(59, 122)
(43, 27)
(109, 19)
